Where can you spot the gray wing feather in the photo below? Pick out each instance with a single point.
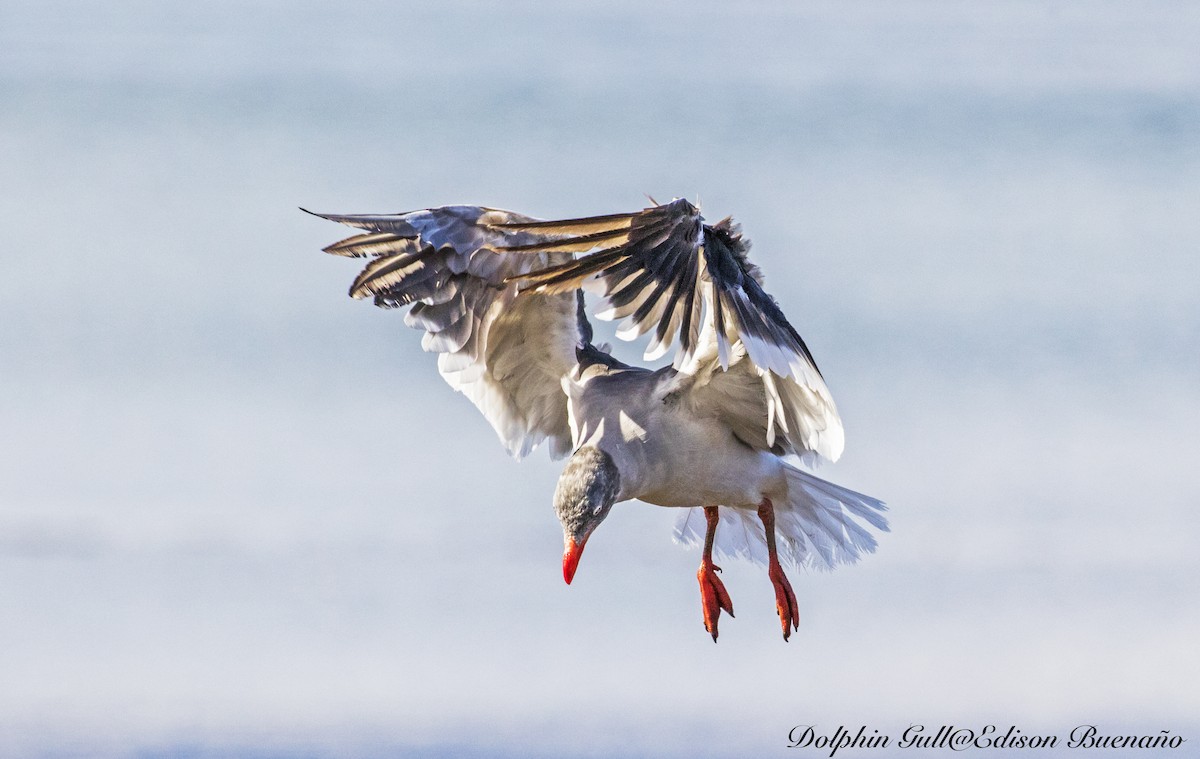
(506, 351)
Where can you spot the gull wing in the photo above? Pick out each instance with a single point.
(508, 354)
(663, 270)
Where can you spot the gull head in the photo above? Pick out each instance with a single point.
(586, 491)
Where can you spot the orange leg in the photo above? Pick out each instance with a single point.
(713, 596)
(785, 598)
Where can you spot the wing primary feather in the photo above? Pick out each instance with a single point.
(630, 290)
(569, 244)
(628, 300)
(671, 318)
(371, 279)
(372, 222)
(688, 322)
(370, 244)
(647, 307)
(568, 277)
(664, 336)
(570, 226)
(603, 257)
(719, 329)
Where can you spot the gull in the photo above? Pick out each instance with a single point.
(719, 433)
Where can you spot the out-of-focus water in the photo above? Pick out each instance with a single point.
(240, 514)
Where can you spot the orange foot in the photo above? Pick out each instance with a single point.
(785, 600)
(713, 596)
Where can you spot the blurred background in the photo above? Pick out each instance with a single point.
(241, 515)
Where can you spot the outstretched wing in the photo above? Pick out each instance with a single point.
(664, 270)
(508, 354)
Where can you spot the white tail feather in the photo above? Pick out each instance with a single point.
(817, 527)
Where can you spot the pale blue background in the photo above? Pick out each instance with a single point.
(241, 515)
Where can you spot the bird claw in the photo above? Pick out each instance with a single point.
(785, 601)
(713, 596)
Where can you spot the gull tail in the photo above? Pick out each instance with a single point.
(819, 526)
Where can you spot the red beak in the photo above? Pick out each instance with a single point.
(571, 558)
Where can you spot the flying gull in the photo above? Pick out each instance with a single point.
(718, 434)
